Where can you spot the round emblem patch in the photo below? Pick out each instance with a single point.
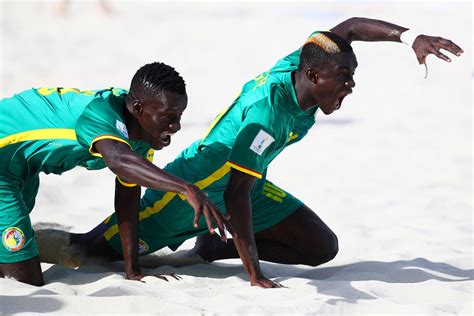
(142, 246)
(13, 238)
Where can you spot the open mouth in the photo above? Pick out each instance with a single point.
(165, 139)
(339, 102)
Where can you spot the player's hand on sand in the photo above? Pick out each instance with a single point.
(202, 205)
(425, 45)
(266, 284)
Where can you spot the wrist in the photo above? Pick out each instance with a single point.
(408, 37)
(256, 275)
(131, 271)
(189, 188)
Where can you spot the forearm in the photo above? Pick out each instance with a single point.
(138, 170)
(127, 202)
(239, 208)
(363, 29)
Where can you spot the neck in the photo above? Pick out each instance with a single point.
(305, 100)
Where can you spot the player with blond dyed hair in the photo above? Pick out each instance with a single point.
(273, 111)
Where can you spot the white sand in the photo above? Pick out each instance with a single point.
(390, 172)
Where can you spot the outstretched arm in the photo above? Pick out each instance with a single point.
(369, 30)
(238, 204)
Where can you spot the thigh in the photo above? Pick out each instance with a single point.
(303, 231)
(18, 242)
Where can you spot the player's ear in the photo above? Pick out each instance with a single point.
(137, 107)
(312, 75)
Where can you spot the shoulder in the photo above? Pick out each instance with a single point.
(105, 106)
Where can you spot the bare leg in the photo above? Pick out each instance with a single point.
(28, 271)
(301, 238)
(73, 250)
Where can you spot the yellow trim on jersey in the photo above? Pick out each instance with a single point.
(48, 91)
(147, 212)
(159, 205)
(96, 154)
(217, 175)
(292, 135)
(271, 188)
(273, 197)
(273, 192)
(245, 170)
(218, 118)
(150, 154)
(125, 184)
(48, 133)
(261, 80)
(214, 123)
(107, 219)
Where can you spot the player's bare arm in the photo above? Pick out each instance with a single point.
(128, 166)
(127, 201)
(237, 201)
(363, 29)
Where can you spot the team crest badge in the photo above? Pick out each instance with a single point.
(142, 247)
(13, 238)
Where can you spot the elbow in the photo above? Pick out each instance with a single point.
(351, 22)
(347, 29)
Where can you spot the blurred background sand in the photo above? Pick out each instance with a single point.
(390, 173)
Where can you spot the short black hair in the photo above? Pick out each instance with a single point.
(151, 80)
(321, 48)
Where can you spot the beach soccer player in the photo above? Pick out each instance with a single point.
(272, 112)
(53, 130)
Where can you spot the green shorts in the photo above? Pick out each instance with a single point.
(166, 220)
(17, 198)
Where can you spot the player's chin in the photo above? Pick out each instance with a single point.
(161, 142)
(157, 145)
(327, 111)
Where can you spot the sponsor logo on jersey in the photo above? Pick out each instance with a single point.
(13, 238)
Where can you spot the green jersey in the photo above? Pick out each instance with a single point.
(263, 120)
(52, 130)
(260, 123)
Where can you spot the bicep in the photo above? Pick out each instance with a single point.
(110, 149)
(240, 183)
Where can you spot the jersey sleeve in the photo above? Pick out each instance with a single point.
(97, 122)
(256, 139)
